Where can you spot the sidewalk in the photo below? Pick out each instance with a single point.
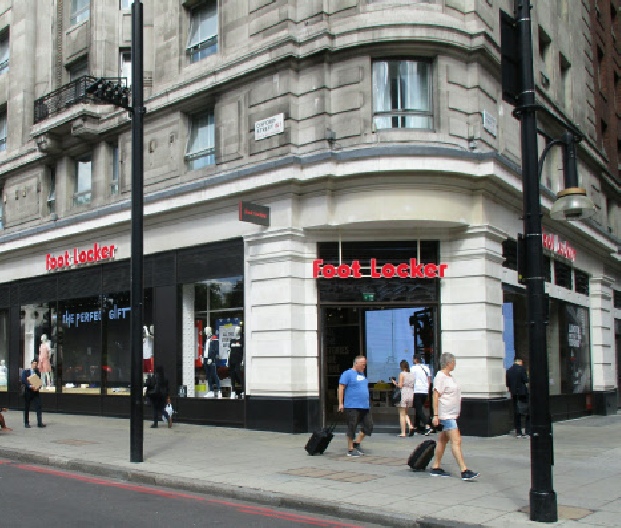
(274, 469)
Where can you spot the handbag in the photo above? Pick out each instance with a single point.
(522, 406)
(396, 396)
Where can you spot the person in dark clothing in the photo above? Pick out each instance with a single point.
(157, 391)
(236, 358)
(210, 363)
(31, 393)
(516, 380)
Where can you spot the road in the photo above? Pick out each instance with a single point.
(33, 495)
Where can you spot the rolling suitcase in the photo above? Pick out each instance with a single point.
(422, 455)
(319, 440)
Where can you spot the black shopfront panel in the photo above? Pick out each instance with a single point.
(94, 288)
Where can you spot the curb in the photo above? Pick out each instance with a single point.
(257, 496)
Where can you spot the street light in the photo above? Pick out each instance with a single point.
(116, 94)
(572, 203)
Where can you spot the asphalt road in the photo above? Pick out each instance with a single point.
(42, 496)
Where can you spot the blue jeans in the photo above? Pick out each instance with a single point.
(213, 381)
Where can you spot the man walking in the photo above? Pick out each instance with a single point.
(354, 400)
(31, 379)
(516, 380)
(422, 379)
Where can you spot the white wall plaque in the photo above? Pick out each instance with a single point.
(490, 124)
(269, 127)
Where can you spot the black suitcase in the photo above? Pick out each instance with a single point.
(319, 440)
(422, 455)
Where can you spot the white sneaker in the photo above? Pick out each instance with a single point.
(233, 396)
(210, 394)
(219, 394)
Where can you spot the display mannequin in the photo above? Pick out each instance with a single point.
(45, 366)
(3, 379)
(147, 349)
(210, 360)
(236, 357)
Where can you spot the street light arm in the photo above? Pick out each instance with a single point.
(547, 149)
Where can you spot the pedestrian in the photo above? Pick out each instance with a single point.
(516, 380)
(447, 402)
(354, 401)
(168, 412)
(3, 426)
(157, 390)
(406, 384)
(31, 379)
(422, 380)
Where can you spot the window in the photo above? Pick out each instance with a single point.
(200, 151)
(203, 34)
(126, 4)
(114, 184)
(80, 11)
(125, 67)
(581, 282)
(562, 274)
(2, 131)
(1, 207)
(218, 304)
(4, 52)
(564, 95)
(402, 95)
(51, 197)
(83, 180)
(4, 349)
(77, 70)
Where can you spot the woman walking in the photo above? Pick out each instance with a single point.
(406, 384)
(447, 402)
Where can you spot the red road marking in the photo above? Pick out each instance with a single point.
(242, 508)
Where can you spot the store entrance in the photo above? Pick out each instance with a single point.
(385, 335)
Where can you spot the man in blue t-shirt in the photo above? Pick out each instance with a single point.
(354, 400)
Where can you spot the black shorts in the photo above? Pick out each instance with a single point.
(359, 416)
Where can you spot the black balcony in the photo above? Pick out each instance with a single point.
(68, 95)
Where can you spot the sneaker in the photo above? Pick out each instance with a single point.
(439, 472)
(354, 453)
(468, 475)
(358, 448)
(427, 431)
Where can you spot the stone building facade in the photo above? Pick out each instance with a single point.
(375, 133)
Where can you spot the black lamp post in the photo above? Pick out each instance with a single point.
(114, 93)
(519, 89)
(543, 505)
(136, 424)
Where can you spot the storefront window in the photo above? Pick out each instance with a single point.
(4, 349)
(116, 369)
(79, 345)
(568, 342)
(215, 304)
(39, 340)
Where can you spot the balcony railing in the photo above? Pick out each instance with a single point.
(68, 95)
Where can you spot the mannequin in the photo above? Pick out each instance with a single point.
(2, 373)
(147, 349)
(210, 360)
(45, 366)
(236, 357)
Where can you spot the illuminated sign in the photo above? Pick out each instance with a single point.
(78, 257)
(403, 270)
(90, 316)
(558, 246)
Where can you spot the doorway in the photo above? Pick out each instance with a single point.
(385, 335)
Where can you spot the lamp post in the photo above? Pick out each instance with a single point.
(543, 505)
(136, 423)
(115, 93)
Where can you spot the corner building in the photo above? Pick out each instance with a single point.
(375, 133)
